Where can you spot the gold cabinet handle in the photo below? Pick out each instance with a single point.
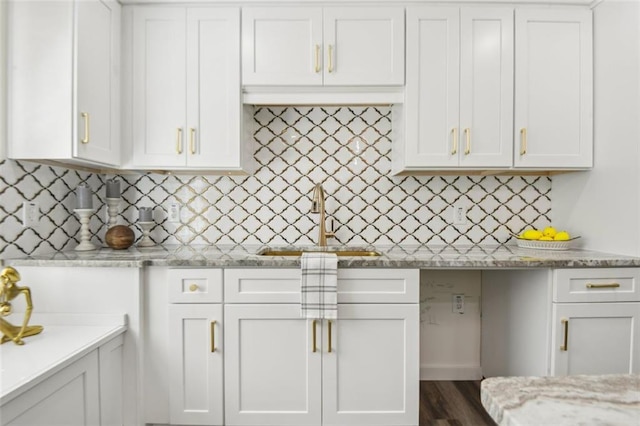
(313, 327)
(454, 133)
(330, 69)
(610, 285)
(523, 141)
(213, 336)
(193, 287)
(565, 344)
(192, 141)
(317, 67)
(467, 135)
(329, 337)
(179, 140)
(85, 115)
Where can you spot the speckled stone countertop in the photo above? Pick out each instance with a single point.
(425, 257)
(569, 400)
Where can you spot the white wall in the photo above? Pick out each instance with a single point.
(449, 342)
(603, 205)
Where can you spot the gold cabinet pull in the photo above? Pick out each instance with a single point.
(193, 287)
(179, 140)
(330, 69)
(85, 115)
(523, 141)
(565, 344)
(192, 141)
(329, 337)
(467, 134)
(317, 67)
(313, 332)
(609, 285)
(213, 336)
(454, 133)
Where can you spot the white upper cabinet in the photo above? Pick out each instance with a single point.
(310, 46)
(63, 61)
(458, 109)
(554, 88)
(186, 89)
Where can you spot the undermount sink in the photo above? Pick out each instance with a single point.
(340, 251)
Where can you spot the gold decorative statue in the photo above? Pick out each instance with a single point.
(9, 291)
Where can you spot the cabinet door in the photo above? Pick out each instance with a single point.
(363, 46)
(272, 374)
(486, 87)
(159, 84)
(282, 46)
(596, 338)
(432, 89)
(213, 87)
(195, 364)
(553, 88)
(371, 374)
(70, 397)
(97, 109)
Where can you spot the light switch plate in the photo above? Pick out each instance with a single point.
(173, 212)
(30, 214)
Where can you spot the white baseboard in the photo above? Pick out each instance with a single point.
(450, 372)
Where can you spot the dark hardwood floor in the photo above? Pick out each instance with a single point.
(452, 403)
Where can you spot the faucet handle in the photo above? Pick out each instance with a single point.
(331, 233)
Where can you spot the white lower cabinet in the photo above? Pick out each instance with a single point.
(361, 369)
(561, 322)
(195, 364)
(86, 392)
(595, 338)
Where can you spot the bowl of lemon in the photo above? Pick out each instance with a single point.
(548, 238)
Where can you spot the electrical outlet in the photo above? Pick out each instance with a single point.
(458, 303)
(459, 214)
(30, 214)
(173, 212)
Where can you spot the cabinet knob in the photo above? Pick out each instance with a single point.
(193, 287)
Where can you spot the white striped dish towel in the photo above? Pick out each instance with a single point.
(319, 286)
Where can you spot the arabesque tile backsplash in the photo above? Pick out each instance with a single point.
(347, 149)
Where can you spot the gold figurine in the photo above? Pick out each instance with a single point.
(9, 291)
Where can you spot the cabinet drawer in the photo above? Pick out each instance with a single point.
(354, 285)
(195, 285)
(596, 285)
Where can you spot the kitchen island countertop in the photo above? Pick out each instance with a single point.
(424, 257)
(569, 400)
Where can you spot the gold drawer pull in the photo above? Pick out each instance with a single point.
(523, 141)
(313, 325)
(329, 337)
(179, 140)
(467, 133)
(213, 336)
(317, 67)
(330, 69)
(565, 345)
(610, 285)
(454, 132)
(193, 287)
(85, 115)
(192, 142)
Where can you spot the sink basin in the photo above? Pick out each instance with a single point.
(340, 251)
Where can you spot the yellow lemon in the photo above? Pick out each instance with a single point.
(562, 236)
(546, 238)
(532, 234)
(549, 231)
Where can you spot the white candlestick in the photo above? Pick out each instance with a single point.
(85, 235)
(145, 241)
(112, 210)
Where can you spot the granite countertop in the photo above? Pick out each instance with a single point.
(425, 257)
(568, 400)
(65, 339)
